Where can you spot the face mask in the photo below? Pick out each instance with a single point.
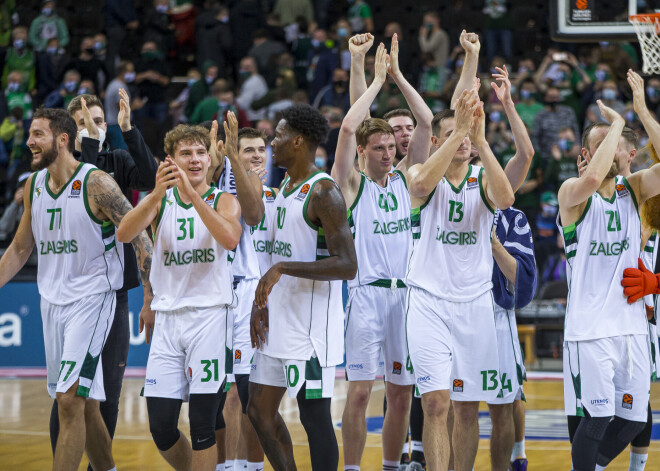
(13, 87)
(342, 32)
(99, 46)
(319, 161)
(652, 92)
(604, 43)
(223, 104)
(47, 11)
(602, 75)
(224, 19)
(191, 81)
(429, 26)
(51, 50)
(85, 133)
(19, 43)
(565, 145)
(549, 209)
(459, 63)
(525, 94)
(316, 43)
(89, 50)
(83, 90)
(609, 94)
(244, 74)
(643, 141)
(209, 80)
(552, 104)
(630, 116)
(70, 86)
(129, 77)
(513, 89)
(522, 70)
(495, 116)
(340, 83)
(161, 8)
(150, 55)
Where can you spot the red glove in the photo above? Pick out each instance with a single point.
(637, 283)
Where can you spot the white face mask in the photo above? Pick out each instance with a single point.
(85, 133)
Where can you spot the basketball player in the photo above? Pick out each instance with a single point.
(450, 312)
(70, 213)
(298, 328)
(380, 218)
(600, 222)
(196, 228)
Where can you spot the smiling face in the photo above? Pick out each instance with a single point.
(403, 128)
(194, 159)
(42, 143)
(252, 152)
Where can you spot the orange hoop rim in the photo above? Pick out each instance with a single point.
(645, 18)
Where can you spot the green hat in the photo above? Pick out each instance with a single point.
(550, 198)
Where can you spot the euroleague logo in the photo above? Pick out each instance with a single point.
(396, 368)
(581, 4)
(458, 385)
(303, 192)
(210, 199)
(237, 357)
(627, 401)
(76, 187)
(472, 182)
(621, 190)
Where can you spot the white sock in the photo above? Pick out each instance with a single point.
(518, 451)
(220, 467)
(600, 468)
(229, 465)
(406, 448)
(417, 446)
(390, 465)
(352, 467)
(637, 461)
(255, 466)
(240, 465)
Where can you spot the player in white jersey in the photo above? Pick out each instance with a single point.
(379, 214)
(449, 298)
(196, 228)
(601, 229)
(70, 214)
(297, 319)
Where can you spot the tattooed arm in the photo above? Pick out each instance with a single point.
(107, 202)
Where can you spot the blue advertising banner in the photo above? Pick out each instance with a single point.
(21, 332)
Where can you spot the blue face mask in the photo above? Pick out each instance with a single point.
(51, 50)
(459, 63)
(13, 87)
(316, 42)
(70, 86)
(629, 115)
(19, 43)
(191, 81)
(47, 11)
(161, 8)
(342, 32)
(495, 116)
(609, 94)
(564, 145)
(319, 161)
(602, 75)
(525, 94)
(652, 92)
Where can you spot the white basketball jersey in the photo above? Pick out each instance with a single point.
(261, 233)
(306, 316)
(452, 255)
(78, 254)
(190, 268)
(380, 221)
(599, 246)
(246, 263)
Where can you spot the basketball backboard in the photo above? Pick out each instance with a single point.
(595, 20)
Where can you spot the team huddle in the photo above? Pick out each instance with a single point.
(243, 282)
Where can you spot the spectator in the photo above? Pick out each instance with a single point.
(562, 71)
(86, 87)
(334, 116)
(253, 87)
(528, 107)
(20, 58)
(653, 94)
(13, 136)
(434, 40)
(120, 18)
(336, 94)
(549, 121)
(8, 16)
(280, 97)
(88, 65)
(217, 105)
(343, 33)
(498, 24)
(274, 29)
(546, 245)
(17, 96)
(50, 66)
(288, 10)
(431, 83)
(405, 53)
(68, 89)
(152, 79)
(301, 48)
(12, 214)
(497, 130)
(179, 103)
(563, 166)
(214, 38)
(264, 49)
(360, 17)
(101, 53)
(202, 88)
(609, 93)
(46, 26)
(526, 69)
(322, 63)
(157, 27)
(245, 18)
(125, 77)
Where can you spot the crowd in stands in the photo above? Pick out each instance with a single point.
(193, 61)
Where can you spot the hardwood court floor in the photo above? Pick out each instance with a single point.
(25, 408)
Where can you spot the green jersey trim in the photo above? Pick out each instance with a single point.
(85, 197)
(163, 202)
(50, 192)
(217, 197)
(190, 205)
(611, 199)
(460, 186)
(570, 234)
(307, 198)
(363, 179)
(482, 192)
(293, 190)
(403, 177)
(428, 200)
(32, 185)
(632, 193)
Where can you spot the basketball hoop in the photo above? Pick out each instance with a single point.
(647, 27)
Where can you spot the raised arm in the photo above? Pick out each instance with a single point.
(471, 45)
(418, 148)
(423, 178)
(575, 191)
(217, 158)
(248, 184)
(343, 170)
(496, 184)
(517, 168)
(21, 246)
(327, 208)
(358, 46)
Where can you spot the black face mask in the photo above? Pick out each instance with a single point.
(340, 83)
(552, 104)
(89, 50)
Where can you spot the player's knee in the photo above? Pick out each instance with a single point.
(69, 405)
(595, 427)
(398, 399)
(466, 411)
(163, 419)
(501, 413)
(629, 430)
(314, 412)
(202, 420)
(435, 405)
(359, 395)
